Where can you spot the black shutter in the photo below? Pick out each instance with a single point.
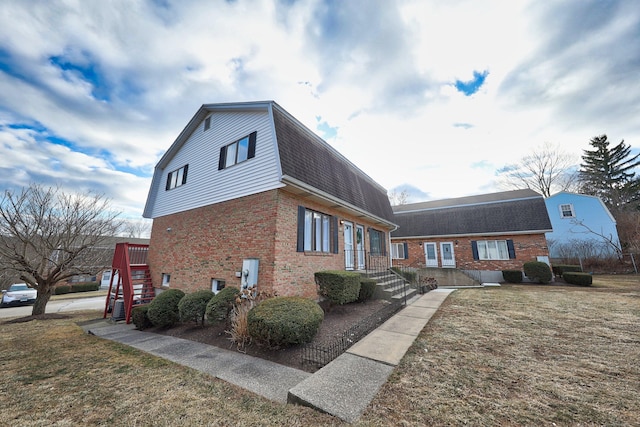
(300, 245)
(252, 145)
(474, 249)
(223, 158)
(406, 250)
(334, 235)
(168, 185)
(184, 174)
(512, 249)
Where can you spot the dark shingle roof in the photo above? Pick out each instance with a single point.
(520, 211)
(307, 158)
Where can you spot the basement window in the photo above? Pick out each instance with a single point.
(217, 285)
(166, 279)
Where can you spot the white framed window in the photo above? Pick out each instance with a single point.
(207, 123)
(238, 151)
(399, 251)
(166, 279)
(177, 178)
(217, 285)
(316, 231)
(492, 249)
(567, 211)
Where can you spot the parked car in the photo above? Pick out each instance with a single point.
(18, 293)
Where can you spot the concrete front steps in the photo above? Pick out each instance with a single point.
(391, 287)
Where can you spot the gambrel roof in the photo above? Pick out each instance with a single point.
(303, 163)
(508, 212)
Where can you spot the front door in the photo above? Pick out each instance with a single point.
(446, 250)
(348, 245)
(360, 247)
(431, 254)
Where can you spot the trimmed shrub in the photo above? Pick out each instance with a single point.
(139, 317)
(61, 289)
(192, 307)
(512, 276)
(367, 289)
(284, 321)
(339, 287)
(221, 304)
(578, 278)
(560, 269)
(85, 287)
(537, 271)
(163, 310)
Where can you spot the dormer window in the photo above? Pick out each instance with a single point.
(566, 211)
(238, 151)
(177, 178)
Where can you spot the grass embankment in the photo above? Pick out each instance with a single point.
(514, 355)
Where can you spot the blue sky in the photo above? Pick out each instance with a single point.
(429, 96)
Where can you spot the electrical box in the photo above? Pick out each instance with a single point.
(249, 273)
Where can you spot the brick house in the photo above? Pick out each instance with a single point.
(247, 195)
(481, 235)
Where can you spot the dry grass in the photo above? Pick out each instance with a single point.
(55, 375)
(522, 355)
(515, 355)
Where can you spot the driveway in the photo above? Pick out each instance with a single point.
(57, 306)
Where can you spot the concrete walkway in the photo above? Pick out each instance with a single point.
(343, 388)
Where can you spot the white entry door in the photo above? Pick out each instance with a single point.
(360, 246)
(446, 251)
(431, 254)
(348, 245)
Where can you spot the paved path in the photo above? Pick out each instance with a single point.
(343, 388)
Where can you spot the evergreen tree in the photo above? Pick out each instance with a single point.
(607, 172)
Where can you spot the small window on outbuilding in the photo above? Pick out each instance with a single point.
(567, 211)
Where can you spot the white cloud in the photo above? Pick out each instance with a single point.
(379, 72)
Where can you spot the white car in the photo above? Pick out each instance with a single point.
(18, 293)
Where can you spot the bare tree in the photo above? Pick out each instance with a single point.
(401, 198)
(47, 236)
(547, 170)
(136, 228)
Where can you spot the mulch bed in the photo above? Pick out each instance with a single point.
(336, 321)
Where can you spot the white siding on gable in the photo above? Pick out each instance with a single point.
(206, 184)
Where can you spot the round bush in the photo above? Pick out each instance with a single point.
(221, 304)
(284, 321)
(512, 276)
(192, 307)
(139, 317)
(367, 289)
(163, 310)
(537, 271)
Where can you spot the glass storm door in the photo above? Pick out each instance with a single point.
(431, 254)
(446, 251)
(348, 245)
(360, 247)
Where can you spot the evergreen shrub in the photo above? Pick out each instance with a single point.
(220, 305)
(163, 309)
(537, 271)
(192, 307)
(139, 317)
(85, 287)
(560, 269)
(578, 278)
(61, 289)
(512, 276)
(339, 287)
(284, 321)
(367, 289)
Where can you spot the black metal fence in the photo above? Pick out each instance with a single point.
(319, 355)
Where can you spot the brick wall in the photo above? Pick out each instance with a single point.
(527, 247)
(211, 242)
